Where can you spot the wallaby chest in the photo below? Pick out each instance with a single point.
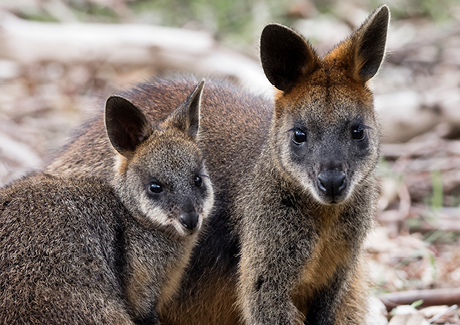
(330, 249)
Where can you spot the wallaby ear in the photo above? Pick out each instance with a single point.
(126, 125)
(369, 43)
(187, 116)
(285, 56)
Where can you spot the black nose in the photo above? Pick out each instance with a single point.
(189, 220)
(332, 182)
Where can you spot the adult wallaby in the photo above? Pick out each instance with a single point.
(309, 202)
(79, 251)
(294, 184)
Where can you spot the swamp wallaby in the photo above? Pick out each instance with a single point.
(229, 144)
(294, 184)
(79, 251)
(309, 203)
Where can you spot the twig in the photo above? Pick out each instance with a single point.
(438, 316)
(432, 297)
(405, 201)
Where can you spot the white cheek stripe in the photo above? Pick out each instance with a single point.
(157, 216)
(153, 213)
(209, 203)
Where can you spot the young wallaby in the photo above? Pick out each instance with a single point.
(207, 293)
(294, 184)
(79, 251)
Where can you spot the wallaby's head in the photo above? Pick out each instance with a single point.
(160, 174)
(324, 131)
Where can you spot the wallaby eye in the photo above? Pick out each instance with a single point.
(155, 188)
(299, 136)
(198, 181)
(358, 133)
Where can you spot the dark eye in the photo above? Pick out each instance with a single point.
(155, 188)
(299, 136)
(198, 181)
(358, 133)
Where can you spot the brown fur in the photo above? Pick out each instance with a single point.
(293, 256)
(77, 251)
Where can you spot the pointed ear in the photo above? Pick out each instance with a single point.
(187, 116)
(126, 125)
(369, 44)
(285, 56)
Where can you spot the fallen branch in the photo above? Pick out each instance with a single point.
(432, 297)
(178, 49)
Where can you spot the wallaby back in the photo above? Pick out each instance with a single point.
(77, 250)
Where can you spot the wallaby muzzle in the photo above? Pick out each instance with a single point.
(189, 220)
(332, 184)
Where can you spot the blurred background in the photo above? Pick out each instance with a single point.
(59, 59)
